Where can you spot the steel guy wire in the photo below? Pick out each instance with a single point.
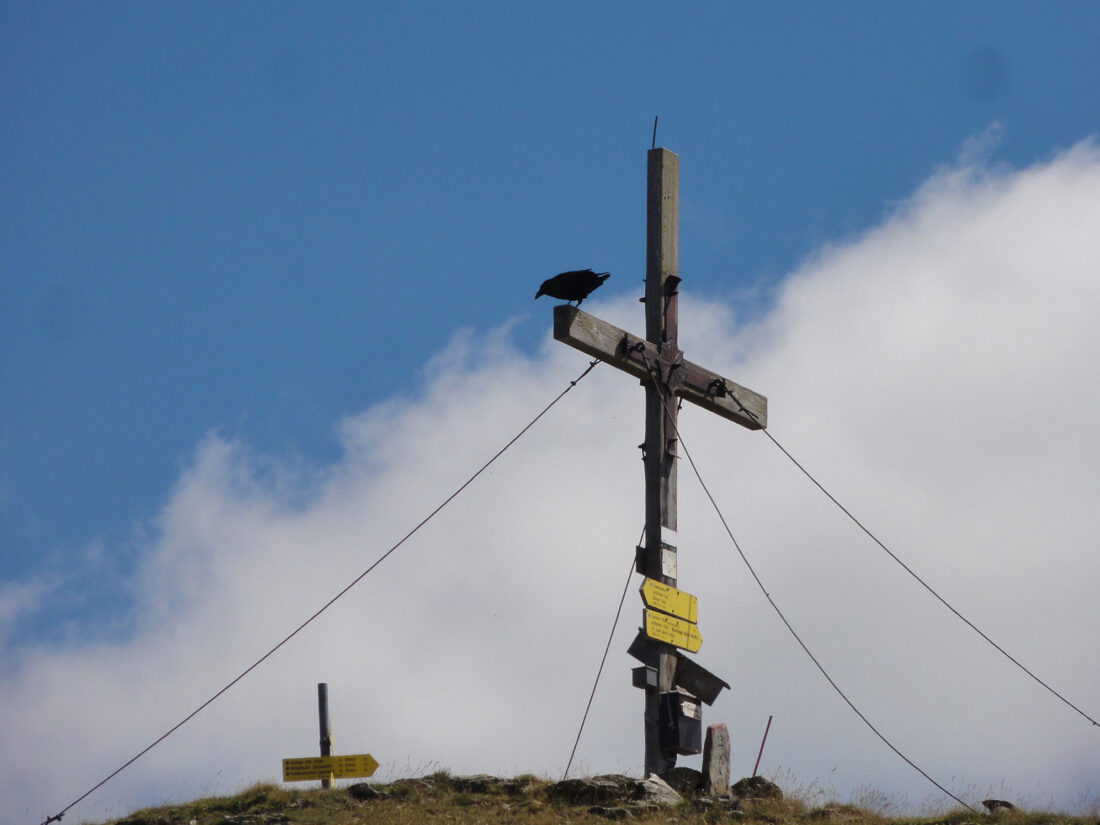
(687, 454)
(908, 569)
(57, 817)
(603, 661)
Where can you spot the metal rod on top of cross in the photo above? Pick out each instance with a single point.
(674, 684)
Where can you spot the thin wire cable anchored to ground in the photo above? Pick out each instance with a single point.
(910, 571)
(57, 817)
(782, 617)
(603, 661)
(802, 644)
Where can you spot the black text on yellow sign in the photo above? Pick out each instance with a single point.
(673, 631)
(328, 767)
(670, 600)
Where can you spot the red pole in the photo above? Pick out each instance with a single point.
(762, 741)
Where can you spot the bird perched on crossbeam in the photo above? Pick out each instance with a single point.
(572, 286)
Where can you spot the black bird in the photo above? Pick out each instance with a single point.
(572, 286)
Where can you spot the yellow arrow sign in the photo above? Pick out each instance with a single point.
(672, 631)
(328, 767)
(670, 600)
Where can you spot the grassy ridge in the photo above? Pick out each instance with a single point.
(441, 799)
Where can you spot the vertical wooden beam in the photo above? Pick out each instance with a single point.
(325, 725)
(662, 262)
(662, 241)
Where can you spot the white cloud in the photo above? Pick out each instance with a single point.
(937, 374)
(18, 599)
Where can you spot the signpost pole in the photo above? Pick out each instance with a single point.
(325, 725)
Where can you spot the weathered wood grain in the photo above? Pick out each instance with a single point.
(616, 347)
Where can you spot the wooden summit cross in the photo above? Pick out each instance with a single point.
(667, 377)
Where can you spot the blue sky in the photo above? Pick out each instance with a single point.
(212, 213)
(253, 223)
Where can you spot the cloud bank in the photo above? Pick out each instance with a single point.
(936, 373)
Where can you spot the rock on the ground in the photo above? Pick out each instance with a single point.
(478, 783)
(485, 783)
(614, 789)
(756, 787)
(685, 781)
(363, 791)
(593, 790)
(655, 791)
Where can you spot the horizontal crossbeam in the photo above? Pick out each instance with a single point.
(638, 357)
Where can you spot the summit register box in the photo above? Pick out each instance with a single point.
(680, 723)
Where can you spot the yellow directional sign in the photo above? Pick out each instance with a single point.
(672, 631)
(328, 767)
(670, 600)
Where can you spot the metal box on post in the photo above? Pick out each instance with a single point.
(680, 723)
(644, 676)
